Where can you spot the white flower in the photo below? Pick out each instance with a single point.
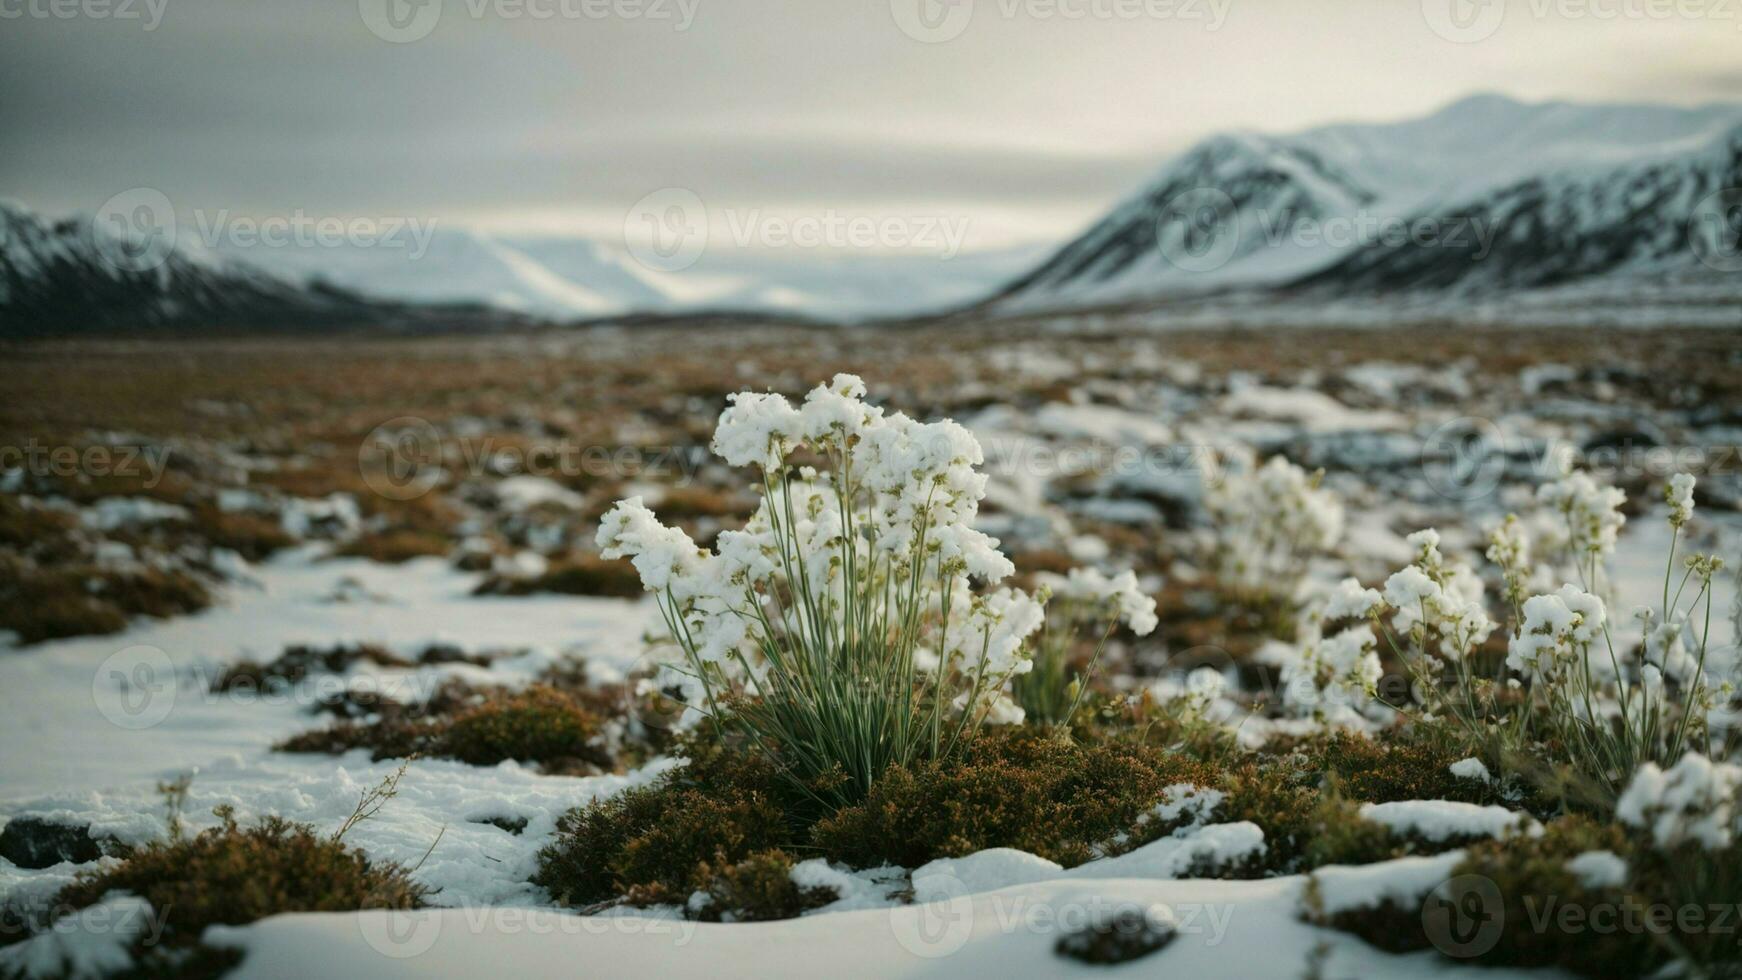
(1136, 608)
(660, 554)
(1680, 496)
(1350, 601)
(1593, 513)
(1554, 625)
(757, 430)
(835, 413)
(1269, 521)
(1409, 587)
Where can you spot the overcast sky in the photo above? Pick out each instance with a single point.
(1007, 113)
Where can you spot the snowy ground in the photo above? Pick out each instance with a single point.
(82, 748)
(1096, 452)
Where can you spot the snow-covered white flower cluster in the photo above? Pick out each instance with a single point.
(1557, 632)
(1091, 602)
(858, 609)
(1270, 522)
(1695, 801)
(1592, 513)
(1092, 590)
(1330, 678)
(1612, 703)
(1437, 603)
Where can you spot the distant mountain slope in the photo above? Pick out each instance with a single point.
(69, 276)
(1486, 194)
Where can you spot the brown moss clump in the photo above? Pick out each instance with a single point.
(1063, 800)
(558, 727)
(50, 603)
(660, 843)
(1375, 771)
(253, 536)
(396, 545)
(1547, 915)
(582, 575)
(232, 875)
(759, 889)
(297, 662)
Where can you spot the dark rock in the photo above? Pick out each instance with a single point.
(1119, 938)
(513, 825)
(32, 842)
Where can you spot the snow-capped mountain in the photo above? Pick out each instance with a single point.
(73, 275)
(557, 279)
(1487, 194)
(570, 278)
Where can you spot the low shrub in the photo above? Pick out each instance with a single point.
(253, 536)
(47, 604)
(584, 575)
(1063, 800)
(396, 545)
(559, 729)
(232, 875)
(659, 843)
(759, 889)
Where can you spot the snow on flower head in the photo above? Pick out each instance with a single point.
(1555, 627)
(1680, 496)
(1593, 512)
(1271, 520)
(757, 430)
(1410, 586)
(835, 413)
(1694, 802)
(1436, 600)
(660, 554)
(1350, 601)
(1136, 608)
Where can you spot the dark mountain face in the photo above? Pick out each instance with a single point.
(1485, 198)
(1544, 232)
(71, 277)
(1184, 218)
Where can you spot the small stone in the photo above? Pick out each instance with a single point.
(35, 843)
(1120, 938)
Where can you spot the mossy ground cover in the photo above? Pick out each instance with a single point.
(230, 875)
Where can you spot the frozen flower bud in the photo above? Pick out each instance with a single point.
(1705, 566)
(1680, 496)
